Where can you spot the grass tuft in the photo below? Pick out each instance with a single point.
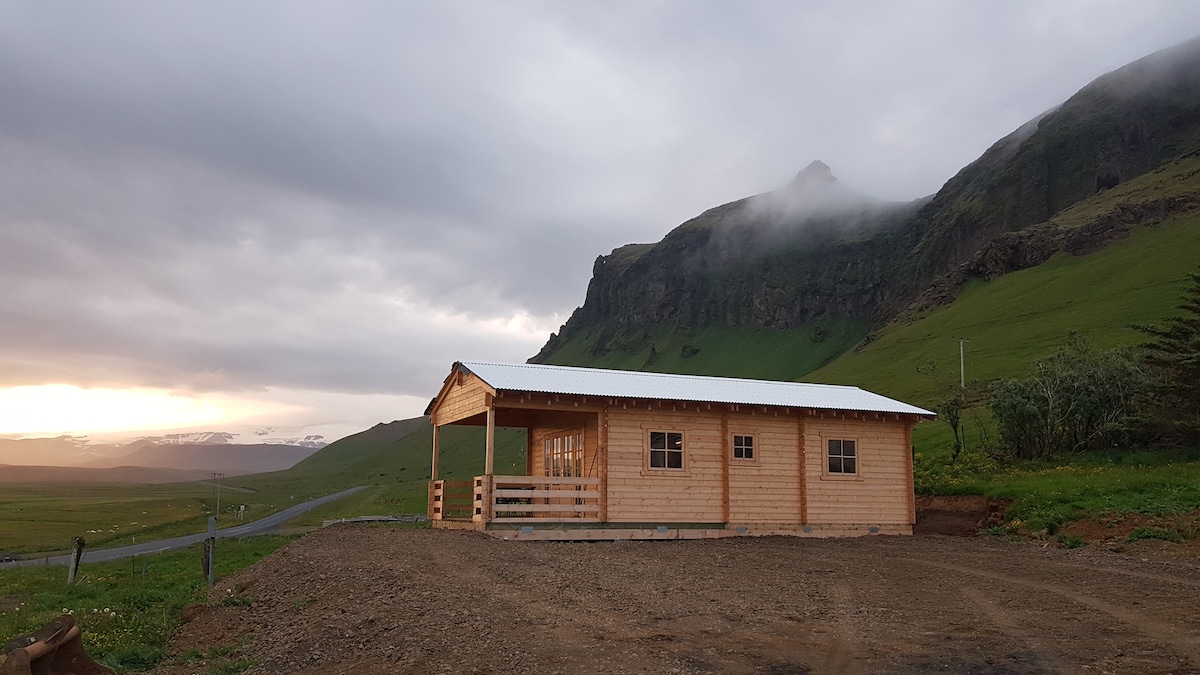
(1141, 533)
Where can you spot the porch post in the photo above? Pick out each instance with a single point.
(433, 471)
(490, 447)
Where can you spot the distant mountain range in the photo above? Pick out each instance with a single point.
(75, 474)
(198, 451)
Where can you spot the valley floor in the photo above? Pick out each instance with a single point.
(354, 599)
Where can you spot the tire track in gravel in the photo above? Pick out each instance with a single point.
(1148, 576)
(1008, 623)
(1157, 631)
(840, 658)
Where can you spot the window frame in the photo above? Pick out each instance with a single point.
(826, 456)
(563, 453)
(733, 448)
(648, 461)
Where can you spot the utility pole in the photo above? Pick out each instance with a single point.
(962, 364)
(217, 489)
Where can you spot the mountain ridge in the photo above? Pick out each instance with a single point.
(735, 265)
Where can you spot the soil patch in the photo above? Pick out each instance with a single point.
(374, 600)
(958, 515)
(1171, 537)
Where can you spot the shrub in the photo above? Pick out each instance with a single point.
(1079, 399)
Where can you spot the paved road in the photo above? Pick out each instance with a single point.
(260, 526)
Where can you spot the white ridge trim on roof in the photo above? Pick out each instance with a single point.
(668, 387)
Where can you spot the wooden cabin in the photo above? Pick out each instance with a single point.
(632, 455)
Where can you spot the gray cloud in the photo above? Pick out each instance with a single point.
(346, 198)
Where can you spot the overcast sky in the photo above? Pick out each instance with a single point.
(326, 204)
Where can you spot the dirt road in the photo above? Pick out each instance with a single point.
(380, 600)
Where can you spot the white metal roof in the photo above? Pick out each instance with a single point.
(667, 387)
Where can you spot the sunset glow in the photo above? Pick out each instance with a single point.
(59, 408)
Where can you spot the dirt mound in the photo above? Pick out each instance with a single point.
(958, 515)
(368, 600)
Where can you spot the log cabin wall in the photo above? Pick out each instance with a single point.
(880, 493)
(767, 488)
(638, 493)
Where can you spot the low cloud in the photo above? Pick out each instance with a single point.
(346, 199)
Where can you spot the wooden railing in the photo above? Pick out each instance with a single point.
(450, 500)
(516, 499)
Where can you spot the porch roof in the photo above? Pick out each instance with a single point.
(662, 386)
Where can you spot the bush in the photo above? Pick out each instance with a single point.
(1078, 400)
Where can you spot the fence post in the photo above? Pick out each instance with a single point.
(76, 556)
(210, 546)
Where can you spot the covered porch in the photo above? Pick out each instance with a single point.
(562, 481)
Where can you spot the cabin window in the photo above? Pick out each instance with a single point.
(666, 450)
(563, 454)
(843, 456)
(743, 447)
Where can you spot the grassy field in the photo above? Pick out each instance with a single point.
(126, 618)
(1047, 494)
(46, 517)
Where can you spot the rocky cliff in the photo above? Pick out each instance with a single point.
(816, 250)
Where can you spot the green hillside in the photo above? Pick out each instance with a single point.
(730, 351)
(1020, 317)
(1010, 321)
(392, 459)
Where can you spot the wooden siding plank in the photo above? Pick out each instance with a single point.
(547, 508)
(544, 480)
(542, 521)
(533, 494)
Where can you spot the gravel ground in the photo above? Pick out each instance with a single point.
(365, 600)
